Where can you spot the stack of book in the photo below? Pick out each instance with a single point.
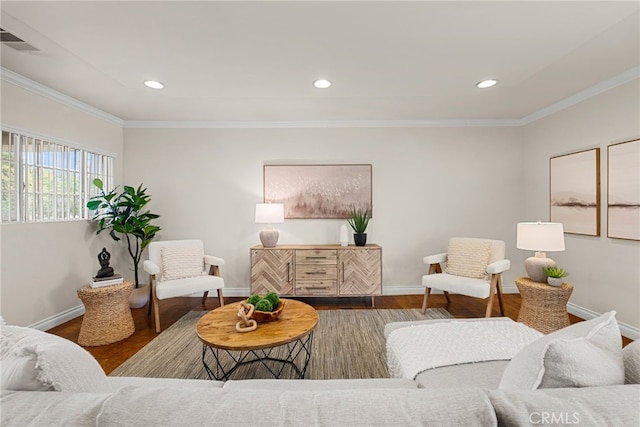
(98, 282)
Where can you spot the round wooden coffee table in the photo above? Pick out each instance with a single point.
(293, 331)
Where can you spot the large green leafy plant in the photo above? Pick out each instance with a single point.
(124, 214)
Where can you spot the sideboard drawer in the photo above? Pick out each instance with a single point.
(316, 272)
(316, 287)
(317, 256)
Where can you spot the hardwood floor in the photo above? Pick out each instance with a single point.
(112, 355)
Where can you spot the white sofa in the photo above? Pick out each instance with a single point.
(47, 380)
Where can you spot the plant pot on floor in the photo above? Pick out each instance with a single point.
(360, 239)
(139, 296)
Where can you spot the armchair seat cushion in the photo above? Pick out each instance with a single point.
(477, 288)
(188, 286)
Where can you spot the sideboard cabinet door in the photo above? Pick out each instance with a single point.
(272, 270)
(361, 272)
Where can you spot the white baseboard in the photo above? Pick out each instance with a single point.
(509, 288)
(58, 319)
(628, 331)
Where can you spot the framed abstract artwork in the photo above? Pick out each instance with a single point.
(574, 181)
(623, 192)
(318, 191)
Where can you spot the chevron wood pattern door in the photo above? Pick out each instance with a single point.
(272, 270)
(361, 272)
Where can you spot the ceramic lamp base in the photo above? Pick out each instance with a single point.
(535, 267)
(269, 237)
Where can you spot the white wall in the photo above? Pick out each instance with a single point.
(605, 272)
(428, 185)
(43, 264)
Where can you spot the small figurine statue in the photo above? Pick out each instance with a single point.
(104, 258)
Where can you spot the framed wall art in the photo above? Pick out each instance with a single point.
(623, 192)
(318, 191)
(574, 181)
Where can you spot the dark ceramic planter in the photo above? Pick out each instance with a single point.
(360, 239)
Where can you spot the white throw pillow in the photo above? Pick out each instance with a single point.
(585, 354)
(468, 258)
(179, 262)
(36, 360)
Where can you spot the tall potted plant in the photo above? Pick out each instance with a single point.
(358, 222)
(123, 214)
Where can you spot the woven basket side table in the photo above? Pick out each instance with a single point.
(543, 307)
(107, 318)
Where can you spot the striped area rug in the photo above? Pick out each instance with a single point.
(346, 344)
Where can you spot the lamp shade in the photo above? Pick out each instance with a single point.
(540, 236)
(269, 213)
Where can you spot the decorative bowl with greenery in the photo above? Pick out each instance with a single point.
(123, 214)
(359, 221)
(555, 275)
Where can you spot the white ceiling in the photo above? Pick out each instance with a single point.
(256, 61)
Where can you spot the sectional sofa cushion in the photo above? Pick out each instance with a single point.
(585, 354)
(349, 407)
(591, 406)
(37, 361)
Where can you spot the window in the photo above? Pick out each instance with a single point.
(48, 181)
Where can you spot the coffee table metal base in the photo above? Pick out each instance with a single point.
(298, 348)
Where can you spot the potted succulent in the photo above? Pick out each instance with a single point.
(124, 214)
(555, 275)
(358, 221)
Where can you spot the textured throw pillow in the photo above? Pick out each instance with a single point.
(585, 354)
(36, 360)
(468, 258)
(179, 262)
(631, 357)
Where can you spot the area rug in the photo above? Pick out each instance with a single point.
(346, 344)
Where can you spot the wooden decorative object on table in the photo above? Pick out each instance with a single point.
(246, 324)
(268, 316)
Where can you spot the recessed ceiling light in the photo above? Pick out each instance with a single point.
(486, 83)
(153, 84)
(322, 84)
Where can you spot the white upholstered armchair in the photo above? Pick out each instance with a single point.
(180, 268)
(471, 267)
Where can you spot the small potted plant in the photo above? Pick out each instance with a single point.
(555, 275)
(358, 222)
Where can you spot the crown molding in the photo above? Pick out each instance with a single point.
(40, 89)
(146, 124)
(32, 86)
(620, 79)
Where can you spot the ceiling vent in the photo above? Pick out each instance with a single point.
(15, 42)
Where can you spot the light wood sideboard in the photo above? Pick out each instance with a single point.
(317, 270)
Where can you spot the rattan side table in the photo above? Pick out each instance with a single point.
(107, 318)
(543, 307)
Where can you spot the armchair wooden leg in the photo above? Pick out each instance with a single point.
(427, 291)
(152, 278)
(220, 298)
(446, 295)
(499, 290)
(492, 294)
(204, 297)
(156, 314)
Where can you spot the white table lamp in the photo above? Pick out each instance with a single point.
(540, 237)
(269, 213)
